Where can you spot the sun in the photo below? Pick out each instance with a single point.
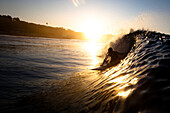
(93, 29)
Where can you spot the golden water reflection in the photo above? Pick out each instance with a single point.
(125, 94)
(93, 48)
(120, 82)
(124, 81)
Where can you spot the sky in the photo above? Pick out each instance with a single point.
(104, 16)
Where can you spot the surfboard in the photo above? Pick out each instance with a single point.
(99, 68)
(107, 66)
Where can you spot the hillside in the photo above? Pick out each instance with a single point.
(14, 26)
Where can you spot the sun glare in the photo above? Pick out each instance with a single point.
(93, 29)
(93, 48)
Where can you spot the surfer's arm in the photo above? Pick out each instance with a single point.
(105, 60)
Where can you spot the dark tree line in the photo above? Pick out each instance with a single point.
(14, 26)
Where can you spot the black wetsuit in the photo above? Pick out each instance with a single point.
(113, 55)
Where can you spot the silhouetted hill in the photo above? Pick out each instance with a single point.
(14, 26)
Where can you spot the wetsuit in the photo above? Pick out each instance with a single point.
(113, 55)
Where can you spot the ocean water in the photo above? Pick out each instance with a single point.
(26, 63)
(43, 75)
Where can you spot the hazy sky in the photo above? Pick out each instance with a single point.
(113, 14)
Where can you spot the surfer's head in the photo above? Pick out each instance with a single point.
(110, 50)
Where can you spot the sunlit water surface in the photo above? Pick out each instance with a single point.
(53, 75)
(28, 64)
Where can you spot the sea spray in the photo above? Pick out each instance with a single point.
(121, 43)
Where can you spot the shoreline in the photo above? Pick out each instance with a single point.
(22, 36)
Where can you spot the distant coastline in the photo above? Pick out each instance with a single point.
(16, 27)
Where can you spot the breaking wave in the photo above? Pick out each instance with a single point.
(140, 83)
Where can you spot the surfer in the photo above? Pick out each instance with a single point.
(113, 57)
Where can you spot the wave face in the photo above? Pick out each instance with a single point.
(140, 83)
